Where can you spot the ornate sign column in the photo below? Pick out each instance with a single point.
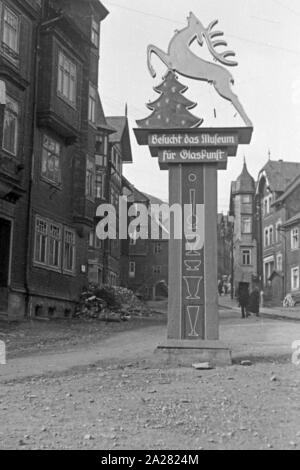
(192, 155)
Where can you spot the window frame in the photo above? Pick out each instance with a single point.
(243, 225)
(95, 33)
(100, 185)
(57, 155)
(65, 269)
(246, 252)
(90, 179)
(279, 266)
(249, 199)
(92, 105)
(48, 237)
(157, 269)
(61, 239)
(60, 78)
(295, 288)
(12, 54)
(16, 115)
(295, 247)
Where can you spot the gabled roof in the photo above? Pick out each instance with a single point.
(101, 122)
(154, 199)
(134, 195)
(121, 136)
(289, 190)
(279, 174)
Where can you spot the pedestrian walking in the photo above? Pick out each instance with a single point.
(244, 300)
(220, 287)
(254, 301)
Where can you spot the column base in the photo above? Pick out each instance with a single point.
(185, 353)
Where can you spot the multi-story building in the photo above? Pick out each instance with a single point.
(272, 213)
(225, 246)
(53, 122)
(145, 262)
(105, 255)
(18, 29)
(286, 212)
(244, 245)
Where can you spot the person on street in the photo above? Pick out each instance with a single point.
(244, 301)
(220, 287)
(254, 302)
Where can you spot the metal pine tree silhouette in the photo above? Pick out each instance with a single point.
(171, 109)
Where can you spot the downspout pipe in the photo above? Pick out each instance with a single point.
(29, 231)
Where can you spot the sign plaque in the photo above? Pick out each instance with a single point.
(193, 155)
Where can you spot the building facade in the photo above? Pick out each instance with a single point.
(276, 205)
(225, 246)
(53, 119)
(244, 244)
(145, 262)
(105, 255)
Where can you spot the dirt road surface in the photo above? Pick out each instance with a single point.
(115, 394)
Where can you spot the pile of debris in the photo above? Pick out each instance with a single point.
(111, 304)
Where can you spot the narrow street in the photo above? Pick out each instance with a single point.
(115, 394)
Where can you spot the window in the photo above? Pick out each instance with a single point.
(10, 127)
(266, 240)
(157, 269)
(157, 248)
(100, 185)
(278, 231)
(279, 262)
(246, 199)
(95, 34)
(48, 245)
(54, 245)
(69, 250)
(51, 160)
(246, 257)
(10, 34)
(295, 278)
(271, 240)
(295, 239)
(90, 179)
(269, 264)
(267, 204)
(66, 85)
(269, 236)
(246, 225)
(113, 279)
(92, 240)
(92, 104)
(40, 254)
(101, 145)
(131, 269)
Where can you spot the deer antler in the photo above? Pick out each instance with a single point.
(221, 57)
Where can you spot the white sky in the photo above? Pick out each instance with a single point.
(265, 36)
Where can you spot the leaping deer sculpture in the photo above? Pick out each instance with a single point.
(182, 60)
